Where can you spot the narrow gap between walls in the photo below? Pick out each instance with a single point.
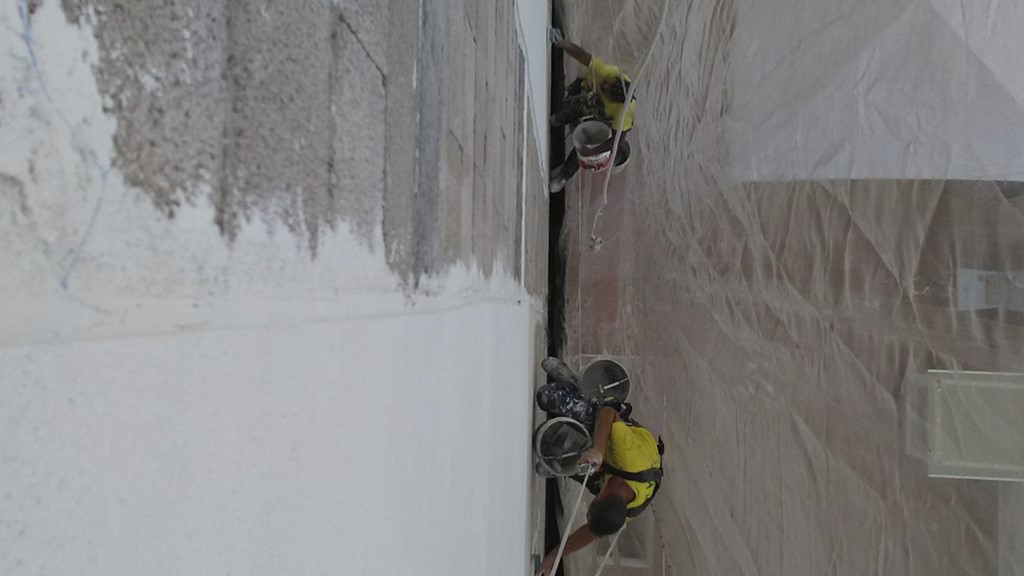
(556, 335)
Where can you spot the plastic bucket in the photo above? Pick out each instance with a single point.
(606, 381)
(588, 135)
(558, 445)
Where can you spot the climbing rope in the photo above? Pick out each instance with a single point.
(609, 552)
(568, 530)
(595, 241)
(572, 519)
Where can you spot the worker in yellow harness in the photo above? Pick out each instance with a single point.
(626, 457)
(599, 93)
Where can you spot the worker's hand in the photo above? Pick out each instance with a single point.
(592, 458)
(554, 35)
(547, 564)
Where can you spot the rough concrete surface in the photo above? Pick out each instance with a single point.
(400, 116)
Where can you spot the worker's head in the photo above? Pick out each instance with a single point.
(607, 514)
(615, 89)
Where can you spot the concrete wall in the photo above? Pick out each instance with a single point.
(221, 349)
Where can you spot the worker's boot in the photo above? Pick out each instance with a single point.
(558, 370)
(559, 177)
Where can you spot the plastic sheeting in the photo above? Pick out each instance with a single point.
(858, 89)
(772, 329)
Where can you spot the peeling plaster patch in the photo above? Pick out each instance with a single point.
(169, 106)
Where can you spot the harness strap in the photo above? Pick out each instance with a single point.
(634, 512)
(649, 475)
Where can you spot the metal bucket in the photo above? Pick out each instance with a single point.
(588, 135)
(606, 381)
(558, 445)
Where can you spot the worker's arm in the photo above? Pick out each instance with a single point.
(595, 454)
(579, 54)
(578, 539)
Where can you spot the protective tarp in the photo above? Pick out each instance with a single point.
(860, 89)
(775, 281)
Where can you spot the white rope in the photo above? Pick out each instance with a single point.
(609, 552)
(595, 241)
(572, 519)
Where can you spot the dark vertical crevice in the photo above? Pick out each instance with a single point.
(556, 277)
(519, 137)
(556, 213)
(224, 216)
(337, 19)
(426, 196)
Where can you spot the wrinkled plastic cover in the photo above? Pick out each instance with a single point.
(818, 215)
(861, 89)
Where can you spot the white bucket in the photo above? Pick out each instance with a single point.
(588, 135)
